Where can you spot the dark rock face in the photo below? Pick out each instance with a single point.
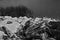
(55, 30)
(55, 25)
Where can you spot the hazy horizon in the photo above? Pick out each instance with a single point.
(49, 8)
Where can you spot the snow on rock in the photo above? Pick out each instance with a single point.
(13, 23)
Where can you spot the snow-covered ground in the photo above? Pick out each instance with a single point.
(12, 24)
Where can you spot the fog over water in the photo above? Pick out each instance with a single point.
(49, 8)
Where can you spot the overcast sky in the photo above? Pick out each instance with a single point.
(50, 8)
